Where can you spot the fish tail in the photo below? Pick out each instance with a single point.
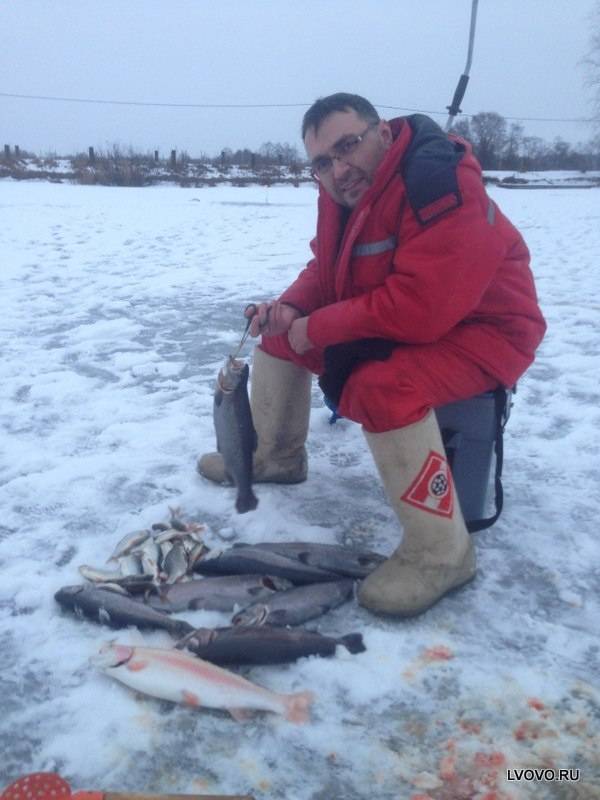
(182, 629)
(353, 642)
(246, 501)
(297, 706)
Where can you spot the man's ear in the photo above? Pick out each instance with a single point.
(385, 132)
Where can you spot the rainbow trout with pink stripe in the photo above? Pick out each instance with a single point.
(181, 678)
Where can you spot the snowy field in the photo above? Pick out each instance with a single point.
(117, 306)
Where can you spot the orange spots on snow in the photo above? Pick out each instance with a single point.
(421, 797)
(526, 730)
(488, 767)
(438, 653)
(430, 655)
(533, 702)
(540, 707)
(577, 727)
(470, 726)
(447, 768)
(490, 760)
(529, 729)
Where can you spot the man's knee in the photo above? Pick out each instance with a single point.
(279, 347)
(382, 399)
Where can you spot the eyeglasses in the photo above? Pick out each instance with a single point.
(321, 166)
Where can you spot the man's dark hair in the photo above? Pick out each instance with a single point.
(341, 101)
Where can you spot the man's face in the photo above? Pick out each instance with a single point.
(350, 175)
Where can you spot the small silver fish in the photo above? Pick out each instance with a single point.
(99, 575)
(175, 565)
(129, 542)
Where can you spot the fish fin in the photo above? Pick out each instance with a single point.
(135, 638)
(307, 558)
(246, 502)
(136, 664)
(241, 714)
(353, 642)
(277, 618)
(190, 699)
(297, 706)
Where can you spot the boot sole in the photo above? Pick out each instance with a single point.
(226, 482)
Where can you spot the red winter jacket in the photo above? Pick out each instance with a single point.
(424, 255)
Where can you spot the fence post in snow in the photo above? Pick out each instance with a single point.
(156, 156)
(17, 151)
(173, 158)
(7, 151)
(92, 155)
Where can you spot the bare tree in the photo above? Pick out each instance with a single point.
(534, 150)
(488, 136)
(514, 145)
(462, 128)
(277, 153)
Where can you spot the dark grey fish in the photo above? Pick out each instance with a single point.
(250, 559)
(352, 562)
(117, 610)
(297, 605)
(236, 437)
(265, 644)
(220, 593)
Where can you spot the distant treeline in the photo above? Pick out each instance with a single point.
(498, 146)
(273, 163)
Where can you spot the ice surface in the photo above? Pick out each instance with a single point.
(117, 308)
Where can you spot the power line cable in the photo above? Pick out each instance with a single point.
(95, 101)
(159, 105)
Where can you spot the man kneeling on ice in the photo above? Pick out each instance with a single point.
(422, 287)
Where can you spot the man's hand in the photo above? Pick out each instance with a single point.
(271, 318)
(298, 337)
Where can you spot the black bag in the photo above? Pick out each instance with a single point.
(472, 430)
(473, 435)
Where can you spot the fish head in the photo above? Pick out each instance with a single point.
(276, 584)
(253, 615)
(233, 371)
(111, 655)
(70, 591)
(67, 596)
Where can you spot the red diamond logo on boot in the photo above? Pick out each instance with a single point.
(431, 490)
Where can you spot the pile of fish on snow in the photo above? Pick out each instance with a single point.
(154, 573)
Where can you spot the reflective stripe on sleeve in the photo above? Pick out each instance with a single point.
(374, 248)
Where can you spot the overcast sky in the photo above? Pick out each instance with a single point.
(398, 53)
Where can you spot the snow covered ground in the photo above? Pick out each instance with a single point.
(117, 306)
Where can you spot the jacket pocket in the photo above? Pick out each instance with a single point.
(372, 263)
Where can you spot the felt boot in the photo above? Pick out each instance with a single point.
(280, 404)
(436, 553)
